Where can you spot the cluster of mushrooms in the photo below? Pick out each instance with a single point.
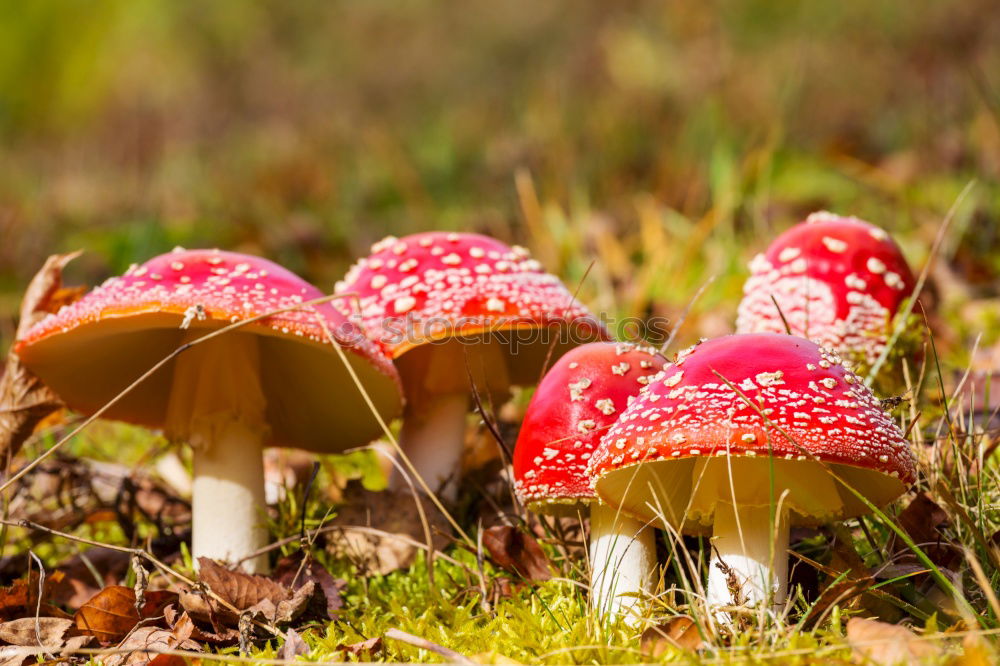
(740, 437)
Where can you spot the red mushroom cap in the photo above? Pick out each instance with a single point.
(450, 284)
(690, 412)
(435, 286)
(838, 280)
(91, 350)
(574, 404)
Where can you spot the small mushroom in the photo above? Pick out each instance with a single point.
(447, 305)
(838, 281)
(734, 438)
(277, 381)
(572, 408)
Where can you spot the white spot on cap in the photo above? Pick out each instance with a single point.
(789, 253)
(404, 304)
(834, 244)
(770, 378)
(875, 265)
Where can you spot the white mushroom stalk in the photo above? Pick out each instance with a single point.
(433, 438)
(749, 563)
(622, 562)
(217, 405)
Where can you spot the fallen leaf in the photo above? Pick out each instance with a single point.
(110, 615)
(517, 552)
(156, 602)
(882, 643)
(261, 596)
(678, 632)
(242, 590)
(24, 399)
(368, 649)
(31, 632)
(21, 598)
(144, 644)
(924, 520)
(294, 646)
(291, 573)
(225, 636)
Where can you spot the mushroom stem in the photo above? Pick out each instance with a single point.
(228, 497)
(622, 562)
(218, 406)
(749, 564)
(434, 440)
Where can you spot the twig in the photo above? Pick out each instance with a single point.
(902, 317)
(152, 559)
(424, 644)
(395, 444)
(684, 314)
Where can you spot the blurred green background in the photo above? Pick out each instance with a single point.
(662, 141)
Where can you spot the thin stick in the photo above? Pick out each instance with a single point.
(392, 440)
(902, 317)
(149, 373)
(685, 313)
(424, 644)
(152, 559)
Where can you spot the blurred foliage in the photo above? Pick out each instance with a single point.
(666, 141)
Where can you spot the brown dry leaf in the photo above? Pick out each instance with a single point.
(517, 552)
(294, 646)
(261, 596)
(679, 632)
(110, 615)
(21, 598)
(392, 512)
(883, 643)
(31, 632)
(24, 400)
(242, 590)
(223, 637)
(291, 573)
(144, 643)
(368, 649)
(924, 520)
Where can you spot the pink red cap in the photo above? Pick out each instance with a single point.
(838, 281)
(92, 349)
(436, 285)
(694, 409)
(573, 406)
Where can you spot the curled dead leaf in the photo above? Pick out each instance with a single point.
(24, 399)
(293, 573)
(367, 650)
(293, 646)
(142, 647)
(262, 597)
(874, 642)
(679, 632)
(517, 552)
(20, 599)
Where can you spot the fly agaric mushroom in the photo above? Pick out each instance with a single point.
(277, 381)
(698, 447)
(838, 281)
(449, 304)
(573, 406)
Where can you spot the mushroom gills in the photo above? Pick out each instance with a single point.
(662, 490)
(217, 405)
